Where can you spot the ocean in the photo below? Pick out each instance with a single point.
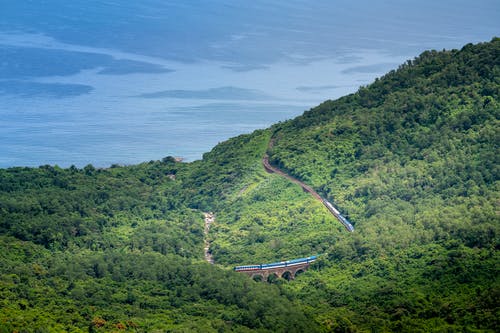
(114, 82)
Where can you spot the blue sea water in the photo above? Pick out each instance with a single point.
(106, 81)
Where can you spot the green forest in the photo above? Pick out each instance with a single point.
(412, 160)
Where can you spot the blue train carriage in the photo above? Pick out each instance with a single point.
(276, 264)
(247, 267)
(303, 260)
(339, 216)
(346, 223)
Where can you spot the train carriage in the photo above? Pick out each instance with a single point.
(276, 264)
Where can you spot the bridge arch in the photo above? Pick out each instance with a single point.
(273, 277)
(298, 272)
(287, 270)
(258, 278)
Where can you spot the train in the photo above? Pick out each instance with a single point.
(339, 216)
(287, 263)
(309, 189)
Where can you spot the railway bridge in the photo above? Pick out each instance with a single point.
(284, 269)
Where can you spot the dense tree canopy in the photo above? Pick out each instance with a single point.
(412, 160)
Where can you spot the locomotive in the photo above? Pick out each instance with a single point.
(339, 216)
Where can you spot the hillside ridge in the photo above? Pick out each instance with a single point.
(413, 159)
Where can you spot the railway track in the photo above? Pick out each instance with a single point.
(271, 169)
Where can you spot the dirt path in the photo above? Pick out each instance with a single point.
(209, 219)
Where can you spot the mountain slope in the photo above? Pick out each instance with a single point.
(411, 160)
(117, 249)
(421, 139)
